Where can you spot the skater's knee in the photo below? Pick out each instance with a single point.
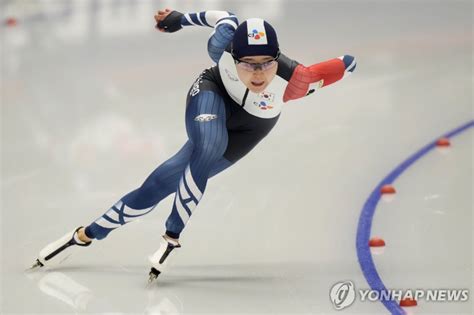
(149, 193)
(160, 182)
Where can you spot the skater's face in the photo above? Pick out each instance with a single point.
(256, 72)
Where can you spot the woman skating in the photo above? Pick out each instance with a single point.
(230, 108)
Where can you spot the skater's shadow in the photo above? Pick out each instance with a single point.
(179, 275)
(238, 274)
(177, 281)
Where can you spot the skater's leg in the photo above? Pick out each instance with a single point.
(210, 141)
(174, 218)
(159, 184)
(206, 128)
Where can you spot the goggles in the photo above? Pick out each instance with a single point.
(250, 66)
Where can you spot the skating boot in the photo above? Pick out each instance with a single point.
(158, 259)
(57, 251)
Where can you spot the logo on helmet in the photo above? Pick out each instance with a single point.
(255, 34)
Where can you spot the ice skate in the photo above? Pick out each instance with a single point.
(159, 258)
(57, 251)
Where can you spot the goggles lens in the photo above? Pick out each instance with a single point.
(247, 66)
(250, 66)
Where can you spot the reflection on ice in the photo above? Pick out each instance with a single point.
(63, 288)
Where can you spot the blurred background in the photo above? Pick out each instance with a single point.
(93, 100)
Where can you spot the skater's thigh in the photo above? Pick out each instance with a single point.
(206, 122)
(241, 143)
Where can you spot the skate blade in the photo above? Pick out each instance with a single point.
(151, 279)
(153, 275)
(35, 266)
(150, 283)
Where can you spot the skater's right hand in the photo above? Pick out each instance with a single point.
(160, 16)
(168, 20)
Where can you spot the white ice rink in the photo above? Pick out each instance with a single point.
(93, 99)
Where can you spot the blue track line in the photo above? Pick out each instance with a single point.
(367, 214)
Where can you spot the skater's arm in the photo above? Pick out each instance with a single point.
(209, 18)
(222, 35)
(224, 24)
(170, 21)
(305, 80)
